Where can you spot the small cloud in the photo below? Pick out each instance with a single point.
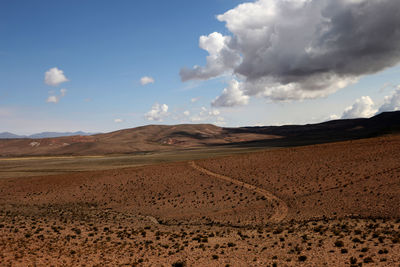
(196, 118)
(364, 107)
(63, 92)
(186, 113)
(333, 117)
(214, 112)
(54, 77)
(194, 99)
(157, 112)
(54, 98)
(220, 121)
(207, 115)
(118, 120)
(146, 80)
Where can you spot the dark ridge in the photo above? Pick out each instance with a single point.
(330, 131)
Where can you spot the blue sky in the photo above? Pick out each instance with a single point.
(104, 48)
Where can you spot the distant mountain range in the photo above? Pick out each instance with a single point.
(184, 136)
(7, 135)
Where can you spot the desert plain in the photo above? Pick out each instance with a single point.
(333, 204)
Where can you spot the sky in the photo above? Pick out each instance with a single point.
(100, 66)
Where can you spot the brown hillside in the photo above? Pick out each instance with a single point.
(164, 137)
(146, 138)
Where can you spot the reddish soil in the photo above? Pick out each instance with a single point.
(358, 178)
(333, 204)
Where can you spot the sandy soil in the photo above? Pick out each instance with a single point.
(324, 205)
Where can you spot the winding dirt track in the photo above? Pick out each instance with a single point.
(281, 209)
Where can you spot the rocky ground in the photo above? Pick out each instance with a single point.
(322, 205)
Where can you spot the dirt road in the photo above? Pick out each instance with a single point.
(280, 206)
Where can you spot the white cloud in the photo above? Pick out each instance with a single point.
(54, 98)
(333, 117)
(221, 58)
(207, 115)
(363, 108)
(231, 96)
(194, 99)
(146, 80)
(301, 49)
(63, 92)
(392, 102)
(157, 112)
(220, 121)
(118, 120)
(197, 118)
(54, 77)
(214, 112)
(186, 113)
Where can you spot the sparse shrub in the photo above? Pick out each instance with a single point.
(353, 260)
(357, 232)
(368, 260)
(231, 245)
(364, 249)
(179, 264)
(302, 258)
(215, 257)
(339, 244)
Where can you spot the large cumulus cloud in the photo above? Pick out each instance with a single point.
(297, 49)
(221, 58)
(362, 108)
(392, 102)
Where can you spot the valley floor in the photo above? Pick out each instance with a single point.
(332, 204)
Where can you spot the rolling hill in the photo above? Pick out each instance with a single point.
(184, 136)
